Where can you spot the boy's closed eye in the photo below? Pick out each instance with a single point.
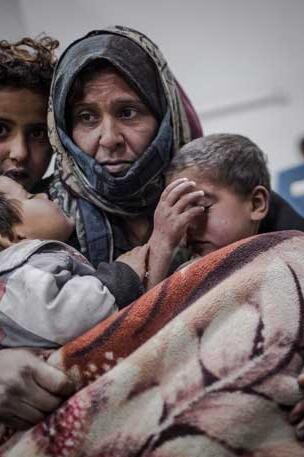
(207, 208)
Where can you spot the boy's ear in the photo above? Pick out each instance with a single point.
(259, 203)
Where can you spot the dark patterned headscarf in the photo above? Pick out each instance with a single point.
(83, 188)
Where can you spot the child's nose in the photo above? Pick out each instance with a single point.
(19, 149)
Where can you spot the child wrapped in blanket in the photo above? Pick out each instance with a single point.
(49, 293)
(218, 192)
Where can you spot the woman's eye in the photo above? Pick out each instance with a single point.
(4, 130)
(128, 113)
(86, 116)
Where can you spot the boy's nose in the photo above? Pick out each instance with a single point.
(18, 149)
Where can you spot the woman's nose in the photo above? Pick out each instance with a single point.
(110, 135)
(18, 149)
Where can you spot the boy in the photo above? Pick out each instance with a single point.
(49, 293)
(218, 193)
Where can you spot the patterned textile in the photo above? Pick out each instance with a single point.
(78, 177)
(203, 365)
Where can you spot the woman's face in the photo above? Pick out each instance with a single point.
(25, 151)
(111, 123)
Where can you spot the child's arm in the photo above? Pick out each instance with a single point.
(55, 296)
(179, 205)
(125, 277)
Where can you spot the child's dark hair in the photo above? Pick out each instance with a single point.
(228, 159)
(28, 64)
(10, 215)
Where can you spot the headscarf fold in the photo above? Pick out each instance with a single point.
(82, 187)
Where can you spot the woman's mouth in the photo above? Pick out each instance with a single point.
(117, 168)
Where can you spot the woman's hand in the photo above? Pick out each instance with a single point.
(29, 388)
(297, 414)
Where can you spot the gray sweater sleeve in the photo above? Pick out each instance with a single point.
(53, 296)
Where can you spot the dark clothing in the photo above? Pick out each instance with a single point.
(42, 186)
(281, 216)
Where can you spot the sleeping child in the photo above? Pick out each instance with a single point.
(49, 293)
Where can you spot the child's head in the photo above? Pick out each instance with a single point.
(232, 171)
(28, 216)
(26, 69)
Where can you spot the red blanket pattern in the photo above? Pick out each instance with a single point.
(203, 365)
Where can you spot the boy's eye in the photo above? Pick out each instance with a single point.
(4, 130)
(207, 208)
(39, 134)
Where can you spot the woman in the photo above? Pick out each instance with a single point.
(30, 387)
(117, 118)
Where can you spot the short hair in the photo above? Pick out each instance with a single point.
(228, 159)
(28, 64)
(10, 214)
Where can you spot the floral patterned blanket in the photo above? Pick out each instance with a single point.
(205, 364)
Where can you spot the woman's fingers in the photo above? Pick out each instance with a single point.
(29, 387)
(301, 380)
(51, 379)
(300, 431)
(17, 424)
(297, 413)
(43, 400)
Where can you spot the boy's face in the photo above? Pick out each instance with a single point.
(227, 217)
(25, 151)
(41, 218)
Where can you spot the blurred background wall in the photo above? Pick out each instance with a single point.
(240, 61)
